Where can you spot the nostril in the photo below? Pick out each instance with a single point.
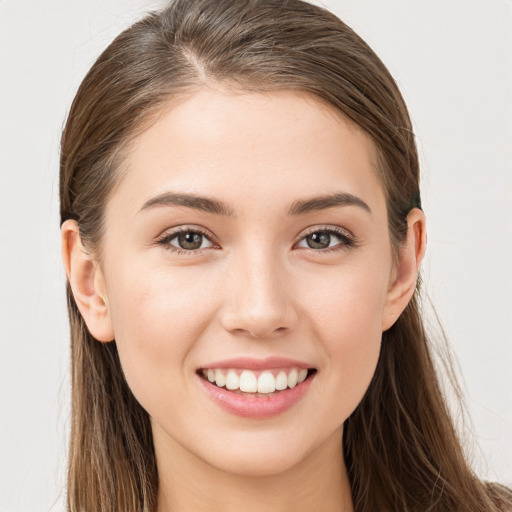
(262, 333)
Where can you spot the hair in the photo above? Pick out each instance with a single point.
(400, 445)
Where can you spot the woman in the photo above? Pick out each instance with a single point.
(242, 234)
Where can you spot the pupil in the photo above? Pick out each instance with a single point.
(319, 240)
(190, 240)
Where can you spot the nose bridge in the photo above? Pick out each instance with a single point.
(259, 302)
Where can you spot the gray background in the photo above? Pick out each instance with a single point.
(453, 62)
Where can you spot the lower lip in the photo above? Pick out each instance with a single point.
(256, 407)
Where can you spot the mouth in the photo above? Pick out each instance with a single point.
(257, 383)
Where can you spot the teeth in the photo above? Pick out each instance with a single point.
(232, 380)
(220, 379)
(266, 383)
(281, 381)
(292, 378)
(247, 381)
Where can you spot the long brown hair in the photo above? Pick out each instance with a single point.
(400, 445)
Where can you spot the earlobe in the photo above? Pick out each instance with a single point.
(410, 256)
(87, 283)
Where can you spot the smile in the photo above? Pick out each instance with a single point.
(256, 389)
(261, 382)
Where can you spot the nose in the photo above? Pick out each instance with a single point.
(259, 299)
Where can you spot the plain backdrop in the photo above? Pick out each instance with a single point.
(453, 62)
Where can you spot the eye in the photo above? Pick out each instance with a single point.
(186, 240)
(327, 239)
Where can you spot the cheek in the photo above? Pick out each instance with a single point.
(347, 318)
(348, 303)
(157, 317)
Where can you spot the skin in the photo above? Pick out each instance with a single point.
(255, 288)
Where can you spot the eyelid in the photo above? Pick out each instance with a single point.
(326, 227)
(167, 235)
(347, 239)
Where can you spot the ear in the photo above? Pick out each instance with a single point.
(87, 283)
(405, 274)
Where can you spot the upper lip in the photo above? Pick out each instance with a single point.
(251, 363)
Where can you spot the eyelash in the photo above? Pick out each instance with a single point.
(346, 241)
(166, 239)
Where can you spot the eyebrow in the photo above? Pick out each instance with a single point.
(317, 203)
(299, 207)
(202, 203)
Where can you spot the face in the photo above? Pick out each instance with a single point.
(247, 245)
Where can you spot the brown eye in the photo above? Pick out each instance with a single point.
(186, 240)
(190, 240)
(325, 240)
(319, 240)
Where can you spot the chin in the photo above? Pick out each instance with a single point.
(266, 454)
(259, 462)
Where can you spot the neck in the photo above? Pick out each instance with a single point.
(318, 482)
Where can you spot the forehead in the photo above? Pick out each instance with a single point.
(249, 146)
